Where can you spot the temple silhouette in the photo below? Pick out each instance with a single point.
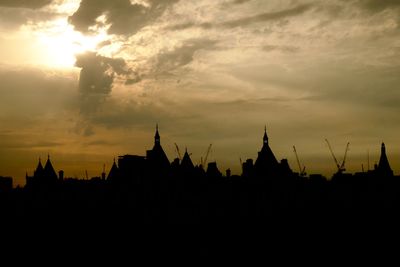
(151, 188)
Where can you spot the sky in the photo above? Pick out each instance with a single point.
(87, 80)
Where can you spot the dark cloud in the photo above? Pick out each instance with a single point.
(268, 16)
(234, 3)
(95, 84)
(240, 1)
(33, 4)
(123, 16)
(98, 72)
(282, 48)
(379, 5)
(181, 26)
(168, 61)
(188, 25)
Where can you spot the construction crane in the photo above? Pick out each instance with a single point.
(177, 150)
(203, 163)
(302, 171)
(344, 157)
(341, 167)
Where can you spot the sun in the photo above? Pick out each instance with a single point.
(60, 42)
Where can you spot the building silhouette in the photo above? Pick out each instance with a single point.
(6, 184)
(266, 164)
(383, 168)
(113, 174)
(186, 165)
(157, 160)
(151, 189)
(44, 175)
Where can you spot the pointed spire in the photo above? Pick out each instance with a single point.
(265, 138)
(383, 165)
(39, 169)
(157, 136)
(186, 163)
(114, 172)
(49, 171)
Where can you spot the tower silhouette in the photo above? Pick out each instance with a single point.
(266, 163)
(114, 172)
(384, 166)
(157, 159)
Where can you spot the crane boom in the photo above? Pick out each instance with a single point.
(344, 157)
(302, 171)
(297, 158)
(208, 152)
(333, 155)
(177, 150)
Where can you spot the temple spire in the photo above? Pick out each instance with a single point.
(384, 166)
(157, 136)
(265, 138)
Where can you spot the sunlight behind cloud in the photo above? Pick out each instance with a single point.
(61, 42)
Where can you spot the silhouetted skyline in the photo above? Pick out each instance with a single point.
(86, 81)
(151, 189)
(156, 164)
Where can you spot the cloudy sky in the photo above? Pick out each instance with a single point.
(87, 80)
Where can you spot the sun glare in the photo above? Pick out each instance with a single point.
(61, 43)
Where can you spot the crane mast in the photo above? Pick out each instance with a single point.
(177, 150)
(344, 157)
(341, 167)
(301, 170)
(208, 152)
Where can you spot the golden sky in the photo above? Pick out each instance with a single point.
(88, 80)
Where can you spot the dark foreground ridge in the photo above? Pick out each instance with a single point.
(150, 189)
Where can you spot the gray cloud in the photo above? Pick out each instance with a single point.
(96, 81)
(283, 48)
(240, 1)
(268, 16)
(263, 17)
(234, 3)
(97, 74)
(33, 4)
(95, 84)
(378, 5)
(123, 16)
(168, 61)
(188, 25)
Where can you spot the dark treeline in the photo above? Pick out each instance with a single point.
(150, 189)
